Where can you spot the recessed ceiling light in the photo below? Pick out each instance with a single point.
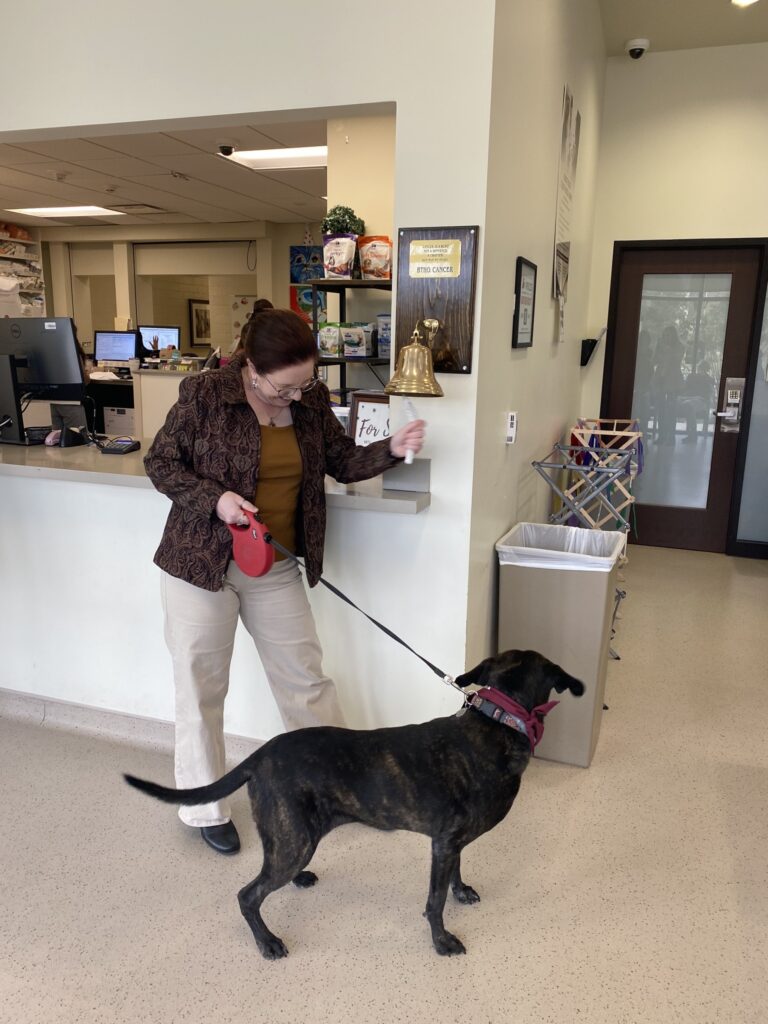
(276, 159)
(68, 211)
(743, 3)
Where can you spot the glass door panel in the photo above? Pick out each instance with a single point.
(680, 344)
(753, 513)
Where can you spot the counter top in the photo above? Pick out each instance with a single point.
(151, 372)
(86, 464)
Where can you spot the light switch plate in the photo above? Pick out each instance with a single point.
(511, 427)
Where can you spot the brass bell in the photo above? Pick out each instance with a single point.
(414, 374)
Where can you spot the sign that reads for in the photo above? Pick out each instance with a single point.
(369, 417)
(440, 257)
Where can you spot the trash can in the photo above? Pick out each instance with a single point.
(557, 588)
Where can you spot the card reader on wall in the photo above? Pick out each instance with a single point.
(588, 346)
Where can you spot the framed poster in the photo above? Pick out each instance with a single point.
(301, 303)
(525, 302)
(436, 293)
(368, 417)
(306, 262)
(199, 322)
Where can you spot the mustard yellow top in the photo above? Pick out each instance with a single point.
(277, 492)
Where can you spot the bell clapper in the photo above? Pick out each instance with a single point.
(410, 412)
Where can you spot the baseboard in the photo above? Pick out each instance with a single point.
(136, 730)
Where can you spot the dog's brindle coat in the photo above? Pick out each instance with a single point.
(452, 779)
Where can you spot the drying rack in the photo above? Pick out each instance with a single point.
(592, 476)
(597, 491)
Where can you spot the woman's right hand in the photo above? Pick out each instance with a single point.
(230, 506)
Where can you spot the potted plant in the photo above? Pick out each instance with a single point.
(341, 228)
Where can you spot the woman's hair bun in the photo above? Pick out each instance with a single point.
(259, 306)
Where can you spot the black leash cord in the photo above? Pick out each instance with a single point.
(438, 672)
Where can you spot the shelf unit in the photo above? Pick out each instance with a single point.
(24, 251)
(340, 287)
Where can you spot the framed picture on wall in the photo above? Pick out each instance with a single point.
(525, 301)
(368, 417)
(199, 322)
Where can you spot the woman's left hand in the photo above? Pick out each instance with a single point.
(408, 438)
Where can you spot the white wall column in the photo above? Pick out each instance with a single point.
(61, 279)
(82, 310)
(125, 285)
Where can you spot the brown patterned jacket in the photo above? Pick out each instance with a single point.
(210, 443)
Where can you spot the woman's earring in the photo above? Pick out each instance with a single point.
(254, 385)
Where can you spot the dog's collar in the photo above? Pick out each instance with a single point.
(504, 709)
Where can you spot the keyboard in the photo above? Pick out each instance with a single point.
(37, 435)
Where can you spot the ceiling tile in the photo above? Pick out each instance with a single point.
(10, 155)
(122, 166)
(144, 146)
(297, 133)
(76, 150)
(208, 139)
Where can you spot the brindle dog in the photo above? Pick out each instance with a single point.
(452, 779)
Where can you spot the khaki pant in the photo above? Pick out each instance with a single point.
(200, 634)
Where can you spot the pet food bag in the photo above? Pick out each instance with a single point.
(329, 342)
(357, 341)
(339, 255)
(375, 257)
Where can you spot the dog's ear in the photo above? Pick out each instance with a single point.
(476, 676)
(565, 682)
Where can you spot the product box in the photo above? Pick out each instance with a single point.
(329, 341)
(384, 324)
(357, 340)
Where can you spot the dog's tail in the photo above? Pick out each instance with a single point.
(202, 794)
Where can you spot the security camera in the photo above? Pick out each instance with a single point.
(637, 48)
(225, 149)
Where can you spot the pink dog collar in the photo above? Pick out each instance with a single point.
(504, 709)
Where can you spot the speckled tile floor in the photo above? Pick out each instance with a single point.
(635, 891)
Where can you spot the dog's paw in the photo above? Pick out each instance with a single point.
(305, 879)
(465, 894)
(273, 948)
(448, 945)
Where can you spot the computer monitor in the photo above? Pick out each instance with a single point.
(45, 357)
(155, 338)
(115, 347)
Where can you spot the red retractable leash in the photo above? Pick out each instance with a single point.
(252, 545)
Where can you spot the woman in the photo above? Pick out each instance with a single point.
(257, 435)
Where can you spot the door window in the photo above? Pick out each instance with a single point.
(753, 514)
(679, 360)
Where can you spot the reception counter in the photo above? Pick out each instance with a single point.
(80, 608)
(87, 464)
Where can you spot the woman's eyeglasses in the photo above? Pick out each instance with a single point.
(288, 392)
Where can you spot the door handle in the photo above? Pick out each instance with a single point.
(730, 416)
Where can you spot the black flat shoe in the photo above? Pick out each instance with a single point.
(221, 838)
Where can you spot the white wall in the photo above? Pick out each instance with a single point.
(684, 152)
(539, 48)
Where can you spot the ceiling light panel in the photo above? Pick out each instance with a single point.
(68, 211)
(279, 159)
